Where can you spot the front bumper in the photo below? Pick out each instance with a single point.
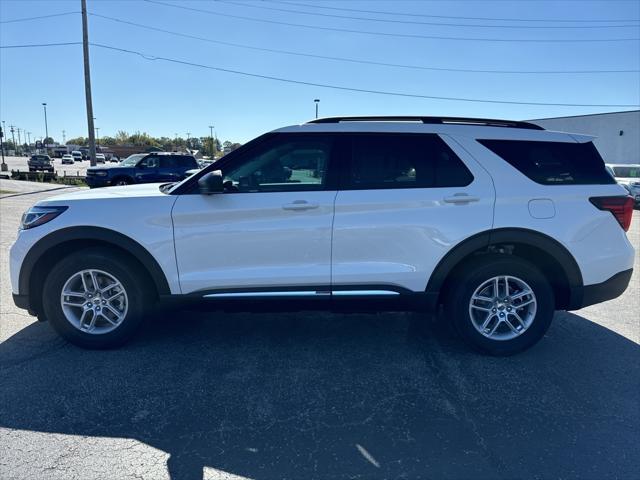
(21, 301)
(600, 292)
(96, 181)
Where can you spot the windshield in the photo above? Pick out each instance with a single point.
(627, 172)
(131, 160)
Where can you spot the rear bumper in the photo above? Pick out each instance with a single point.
(600, 292)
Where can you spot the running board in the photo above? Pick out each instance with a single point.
(303, 293)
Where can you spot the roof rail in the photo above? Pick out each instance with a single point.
(434, 121)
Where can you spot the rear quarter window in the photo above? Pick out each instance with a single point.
(553, 163)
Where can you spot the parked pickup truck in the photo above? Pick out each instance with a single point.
(40, 162)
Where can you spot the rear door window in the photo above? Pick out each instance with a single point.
(186, 161)
(403, 161)
(553, 163)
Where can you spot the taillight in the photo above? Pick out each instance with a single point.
(620, 207)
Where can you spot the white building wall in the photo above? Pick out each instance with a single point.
(614, 146)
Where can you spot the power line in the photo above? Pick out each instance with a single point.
(351, 60)
(413, 14)
(415, 22)
(32, 45)
(351, 89)
(387, 34)
(28, 19)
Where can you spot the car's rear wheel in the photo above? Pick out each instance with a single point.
(95, 298)
(500, 305)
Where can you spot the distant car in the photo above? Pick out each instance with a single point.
(205, 163)
(627, 175)
(100, 158)
(77, 155)
(67, 159)
(153, 167)
(114, 158)
(40, 162)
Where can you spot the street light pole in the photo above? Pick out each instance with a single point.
(46, 127)
(317, 101)
(97, 137)
(29, 140)
(87, 83)
(19, 141)
(188, 137)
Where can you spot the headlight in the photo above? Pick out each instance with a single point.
(39, 216)
(101, 174)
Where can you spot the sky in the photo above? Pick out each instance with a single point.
(133, 92)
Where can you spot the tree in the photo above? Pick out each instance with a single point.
(48, 141)
(108, 141)
(78, 141)
(122, 137)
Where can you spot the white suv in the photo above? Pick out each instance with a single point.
(501, 222)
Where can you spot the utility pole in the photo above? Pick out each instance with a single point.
(213, 150)
(64, 138)
(29, 141)
(188, 137)
(97, 137)
(87, 83)
(317, 101)
(3, 167)
(19, 141)
(13, 137)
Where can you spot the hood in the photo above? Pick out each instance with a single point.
(106, 166)
(129, 191)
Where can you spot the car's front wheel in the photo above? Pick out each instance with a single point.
(122, 181)
(500, 305)
(95, 298)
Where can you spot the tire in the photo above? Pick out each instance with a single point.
(115, 323)
(500, 337)
(121, 181)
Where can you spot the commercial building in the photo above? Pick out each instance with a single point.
(617, 133)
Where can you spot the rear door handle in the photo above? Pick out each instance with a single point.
(461, 199)
(300, 205)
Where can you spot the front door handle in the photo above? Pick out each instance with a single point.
(300, 205)
(461, 199)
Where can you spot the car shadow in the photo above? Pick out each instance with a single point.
(313, 395)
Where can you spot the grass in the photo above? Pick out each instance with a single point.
(6, 192)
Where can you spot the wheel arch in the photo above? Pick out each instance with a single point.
(49, 249)
(549, 255)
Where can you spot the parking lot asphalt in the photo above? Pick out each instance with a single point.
(78, 168)
(318, 395)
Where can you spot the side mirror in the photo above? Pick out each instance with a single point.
(211, 183)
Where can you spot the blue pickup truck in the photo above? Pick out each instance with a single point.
(143, 168)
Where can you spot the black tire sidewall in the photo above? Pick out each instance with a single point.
(113, 263)
(481, 270)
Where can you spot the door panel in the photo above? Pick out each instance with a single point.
(252, 240)
(397, 236)
(272, 227)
